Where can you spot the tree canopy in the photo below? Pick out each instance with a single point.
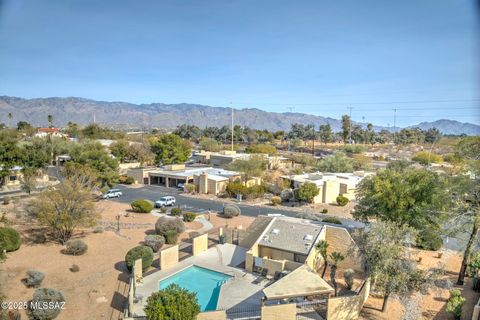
(170, 149)
(172, 303)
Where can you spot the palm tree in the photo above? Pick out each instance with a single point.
(336, 258)
(10, 117)
(50, 120)
(321, 248)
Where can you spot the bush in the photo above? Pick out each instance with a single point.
(142, 206)
(236, 188)
(256, 191)
(164, 224)
(342, 201)
(76, 247)
(189, 216)
(354, 149)
(231, 210)
(126, 180)
(9, 239)
(74, 268)
(163, 210)
(47, 296)
(307, 191)
(333, 220)
(349, 276)
(287, 195)
(154, 241)
(176, 211)
(189, 188)
(425, 157)
(324, 210)
(34, 278)
(6, 200)
(172, 303)
(455, 303)
(171, 236)
(98, 229)
(276, 200)
(261, 148)
(429, 239)
(140, 252)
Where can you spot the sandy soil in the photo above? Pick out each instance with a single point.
(99, 289)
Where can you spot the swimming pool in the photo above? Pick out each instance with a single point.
(204, 282)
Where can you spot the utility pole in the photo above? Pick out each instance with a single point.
(350, 127)
(395, 126)
(313, 140)
(232, 123)
(365, 131)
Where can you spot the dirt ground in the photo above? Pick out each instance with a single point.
(434, 304)
(99, 289)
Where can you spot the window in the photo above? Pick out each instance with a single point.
(13, 178)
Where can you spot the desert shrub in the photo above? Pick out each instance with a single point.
(236, 188)
(231, 210)
(333, 220)
(126, 180)
(176, 211)
(47, 296)
(287, 194)
(74, 268)
(98, 229)
(189, 216)
(6, 200)
(154, 241)
(142, 206)
(354, 148)
(425, 157)
(276, 200)
(474, 265)
(139, 252)
(256, 191)
(164, 224)
(349, 276)
(455, 303)
(172, 303)
(429, 239)
(76, 247)
(189, 188)
(163, 210)
(10, 239)
(34, 278)
(171, 236)
(342, 201)
(324, 210)
(39, 238)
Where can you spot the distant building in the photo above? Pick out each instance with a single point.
(13, 177)
(225, 157)
(45, 132)
(330, 185)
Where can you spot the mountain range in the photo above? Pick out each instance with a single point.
(159, 115)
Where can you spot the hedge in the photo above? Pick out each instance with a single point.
(140, 252)
(142, 206)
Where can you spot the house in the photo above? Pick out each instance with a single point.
(330, 185)
(52, 132)
(14, 176)
(224, 158)
(207, 180)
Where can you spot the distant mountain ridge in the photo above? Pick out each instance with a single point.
(160, 115)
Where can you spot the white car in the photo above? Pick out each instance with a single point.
(112, 193)
(165, 201)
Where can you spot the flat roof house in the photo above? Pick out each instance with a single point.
(330, 185)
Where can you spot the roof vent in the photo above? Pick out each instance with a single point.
(308, 237)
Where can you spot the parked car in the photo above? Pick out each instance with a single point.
(181, 185)
(112, 193)
(165, 201)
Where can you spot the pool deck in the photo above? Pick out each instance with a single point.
(238, 292)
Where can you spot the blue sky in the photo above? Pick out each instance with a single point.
(319, 57)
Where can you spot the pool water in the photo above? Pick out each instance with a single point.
(204, 282)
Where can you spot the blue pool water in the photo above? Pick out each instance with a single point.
(205, 283)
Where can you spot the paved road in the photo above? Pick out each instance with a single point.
(153, 193)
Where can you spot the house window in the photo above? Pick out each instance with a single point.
(13, 178)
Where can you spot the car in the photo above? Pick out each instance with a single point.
(181, 185)
(165, 201)
(112, 193)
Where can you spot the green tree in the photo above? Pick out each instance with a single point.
(307, 192)
(336, 258)
(10, 117)
(10, 153)
(50, 120)
(170, 149)
(415, 197)
(121, 150)
(261, 148)
(325, 133)
(346, 128)
(252, 167)
(321, 248)
(338, 162)
(23, 125)
(65, 208)
(172, 303)
(209, 144)
(190, 132)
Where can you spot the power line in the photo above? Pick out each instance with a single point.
(365, 102)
